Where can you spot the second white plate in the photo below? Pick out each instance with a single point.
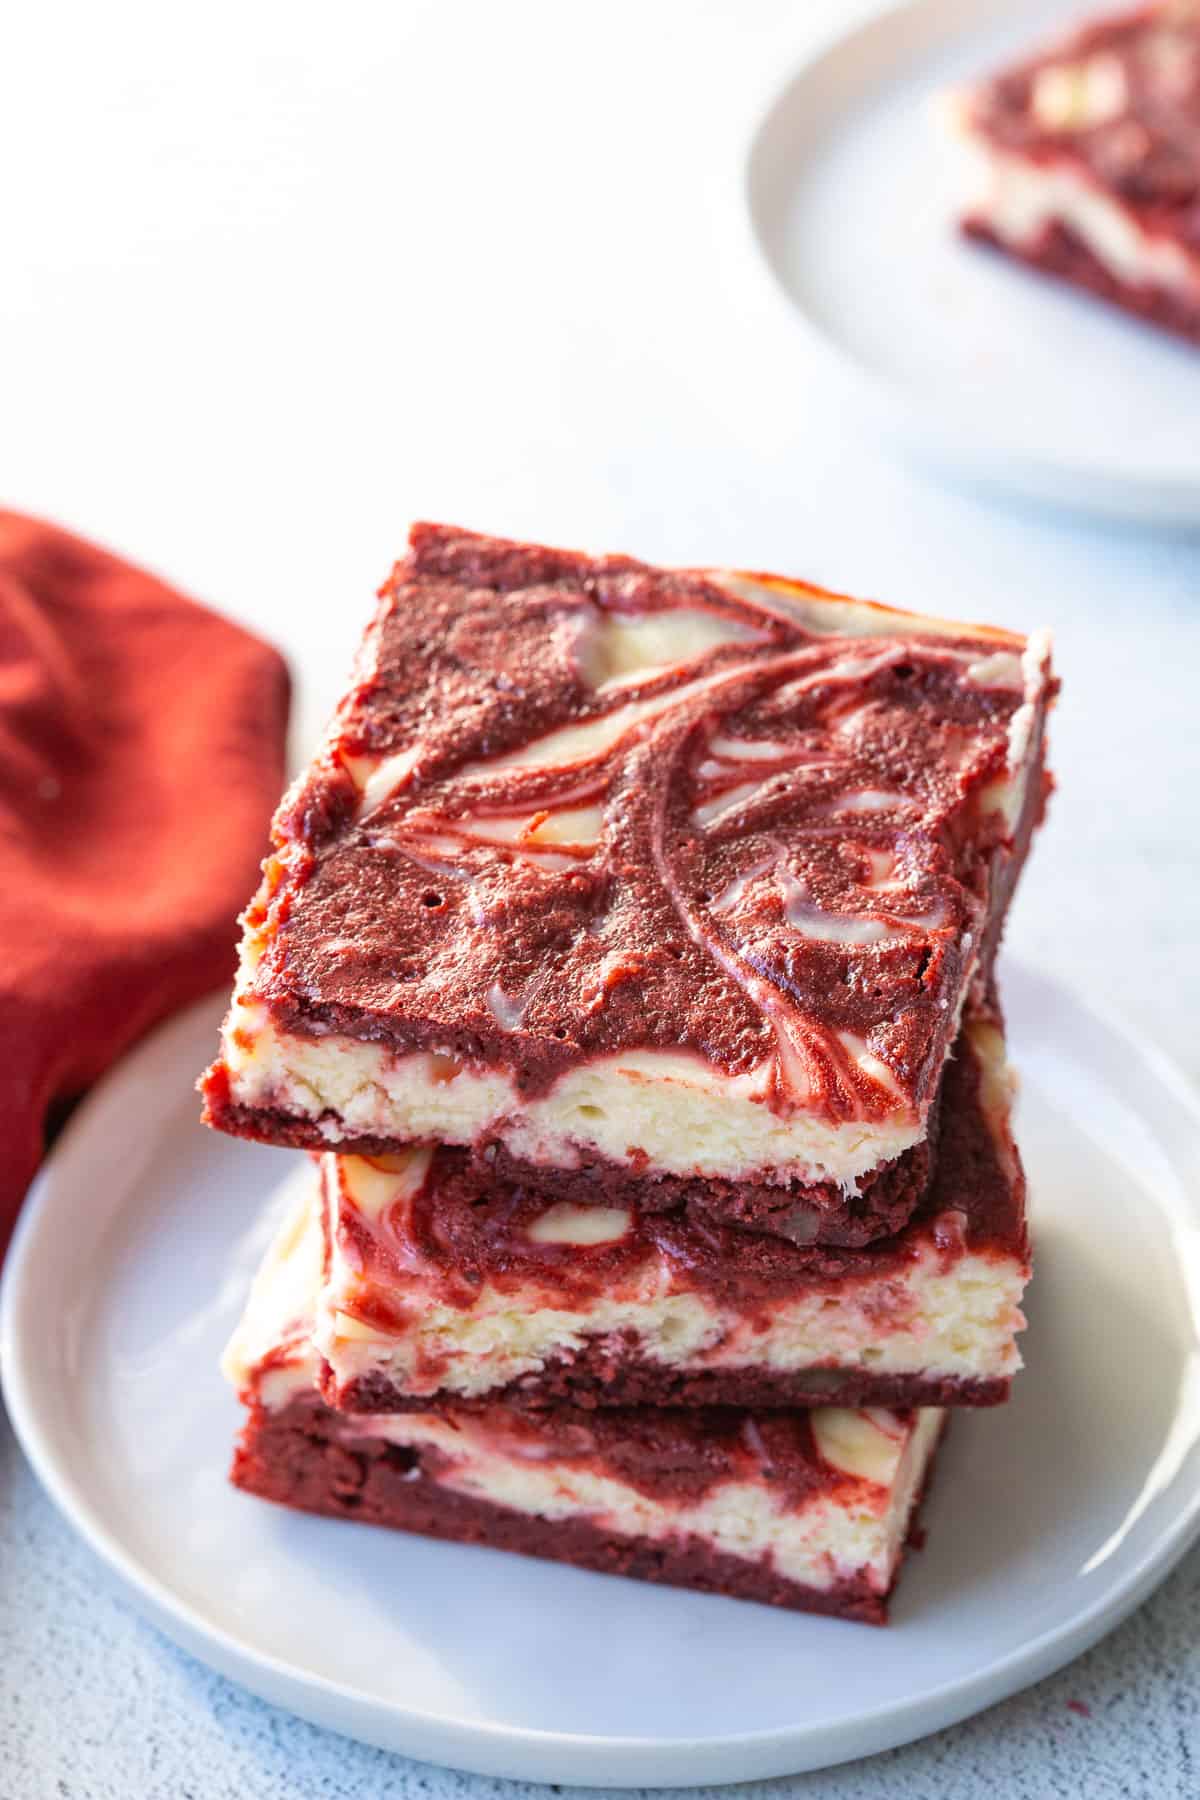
(1049, 1518)
(1000, 376)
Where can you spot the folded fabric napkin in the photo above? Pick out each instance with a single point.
(141, 752)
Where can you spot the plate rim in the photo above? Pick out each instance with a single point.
(523, 1752)
(935, 432)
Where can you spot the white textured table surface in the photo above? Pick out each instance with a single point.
(280, 279)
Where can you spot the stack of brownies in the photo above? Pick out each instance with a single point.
(625, 959)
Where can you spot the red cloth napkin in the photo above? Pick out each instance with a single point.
(141, 752)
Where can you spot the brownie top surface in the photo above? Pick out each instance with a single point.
(571, 806)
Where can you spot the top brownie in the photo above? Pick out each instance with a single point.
(675, 874)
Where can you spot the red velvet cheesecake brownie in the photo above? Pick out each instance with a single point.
(640, 876)
(805, 1509)
(1090, 161)
(444, 1282)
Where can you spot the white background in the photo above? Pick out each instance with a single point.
(277, 279)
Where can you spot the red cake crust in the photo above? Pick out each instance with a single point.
(599, 1376)
(299, 1456)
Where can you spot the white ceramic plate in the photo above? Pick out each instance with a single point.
(1050, 1518)
(1003, 377)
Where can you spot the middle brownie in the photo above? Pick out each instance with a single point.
(449, 1281)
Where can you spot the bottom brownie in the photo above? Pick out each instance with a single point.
(834, 1491)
